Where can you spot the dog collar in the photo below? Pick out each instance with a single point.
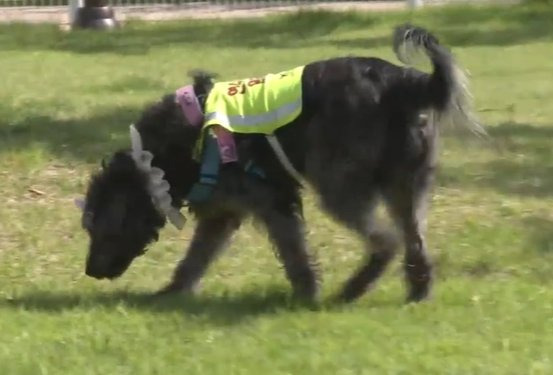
(190, 105)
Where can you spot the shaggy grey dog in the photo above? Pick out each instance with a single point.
(367, 132)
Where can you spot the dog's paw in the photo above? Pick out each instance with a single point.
(306, 296)
(418, 295)
(173, 289)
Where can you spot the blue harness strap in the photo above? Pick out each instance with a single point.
(254, 170)
(209, 171)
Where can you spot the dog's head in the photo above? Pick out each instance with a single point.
(119, 212)
(119, 216)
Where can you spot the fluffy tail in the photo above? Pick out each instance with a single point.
(448, 85)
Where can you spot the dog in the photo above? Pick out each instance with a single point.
(366, 133)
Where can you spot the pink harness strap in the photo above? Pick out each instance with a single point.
(190, 105)
(227, 146)
(188, 101)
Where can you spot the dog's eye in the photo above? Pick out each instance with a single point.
(423, 120)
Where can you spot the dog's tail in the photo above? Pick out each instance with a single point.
(447, 88)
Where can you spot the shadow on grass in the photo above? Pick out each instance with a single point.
(220, 310)
(524, 163)
(539, 234)
(457, 26)
(87, 139)
(471, 26)
(289, 31)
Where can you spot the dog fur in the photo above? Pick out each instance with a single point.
(367, 132)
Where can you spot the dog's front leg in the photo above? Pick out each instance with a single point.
(210, 237)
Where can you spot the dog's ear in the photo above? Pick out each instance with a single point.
(199, 75)
(203, 80)
(86, 218)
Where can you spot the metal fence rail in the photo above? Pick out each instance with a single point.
(60, 12)
(231, 4)
(235, 4)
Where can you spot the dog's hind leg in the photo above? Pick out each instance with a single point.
(383, 245)
(210, 237)
(407, 203)
(285, 227)
(380, 244)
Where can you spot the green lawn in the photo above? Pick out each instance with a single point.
(66, 100)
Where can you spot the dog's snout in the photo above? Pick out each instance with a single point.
(96, 266)
(92, 273)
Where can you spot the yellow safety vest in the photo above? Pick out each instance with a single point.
(256, 105)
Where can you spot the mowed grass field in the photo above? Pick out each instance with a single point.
(66, 101)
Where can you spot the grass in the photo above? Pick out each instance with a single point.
(66, 100)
